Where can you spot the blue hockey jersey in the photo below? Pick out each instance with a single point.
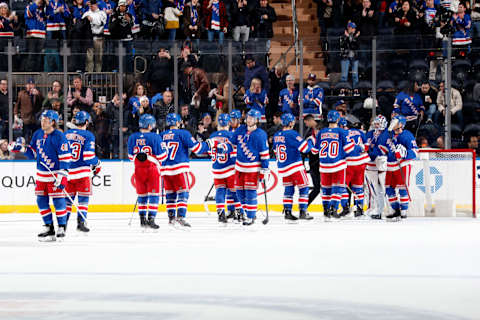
(257, 101)
(377, 146)
(55, 18)
(149, 143)
(406, 139)
(35, 21)
(6, 28)
(177, 143)
(313, 98)
(52, 150)
(82, 148)
(332, 147)
(107, 5)
(408, 106)
(287, 97)
(252, 149)
(357, 157)
(223, 163)
(288, 146)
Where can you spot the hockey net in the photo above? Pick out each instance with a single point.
(444, 183)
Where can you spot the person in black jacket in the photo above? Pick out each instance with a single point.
(313, 160)
(241, 20)
(160, 72)
(366, 21)
(349, 45)
(120, 27)
(265, 16)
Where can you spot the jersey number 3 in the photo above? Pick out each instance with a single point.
(329, 150)
(76, 148)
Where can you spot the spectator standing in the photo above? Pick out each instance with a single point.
(429, 98)
(462, 23)
(35, 22)
(241, 20)
(196, 89)
(151, 13)
(186, 56)
(324, 12)
(254, 70)
(57, 13)
(456, 105)
(132, 8)
(265, 16)
(107, 6)
(163, 107)
(121, 29)
(288, 98)
(313, 159)
(172, 22)
(475, 15)
(29, 102)
(278, 81)
(191, 22)
(256, 98)
(3, 108)
(160, 72)
(349, 45)
(80, 35)
(55, 93)
(97, 20)
(215, 19)
(8, 21)
(405, 24)
(80, 96)
(274, 128)
(101, 129)
(366, 21)
(313, 98)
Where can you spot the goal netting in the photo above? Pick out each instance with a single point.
(444, 183)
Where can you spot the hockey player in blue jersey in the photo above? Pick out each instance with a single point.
(288, 147)
(333, 146)
(176, 168)
(223, 157)
(84, 162)
(251, 164)
(146, 149)
(356, 163)
(376, 169)
(233, 205)
(50, 148)
(402, 150)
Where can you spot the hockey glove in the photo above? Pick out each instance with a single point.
(17, 146)
(400, 152)
(96, 168)
(381, 162)
(264, 172)
(61, 179)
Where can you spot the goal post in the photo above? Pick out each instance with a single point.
(444, 182)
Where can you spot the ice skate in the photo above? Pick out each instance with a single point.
(61, 233)
(182, 223)
(304, 215)
(231, 214)
(48, 234)
(81, 226)
(358, 214)
(345, 212)
(239, 217)
(289, 216)
(395, 216)
(334, 214)
(143, 222)
(221, 216)
(249, 221)
(404, 214)
(151, 223)
(327, 214)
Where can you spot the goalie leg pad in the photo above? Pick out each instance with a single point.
(44, 207)
(60, 210)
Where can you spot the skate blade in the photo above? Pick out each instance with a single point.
(396, 219)
(60, 239)
(291, 222)
(47, 239)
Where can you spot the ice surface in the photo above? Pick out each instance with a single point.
(422, 268)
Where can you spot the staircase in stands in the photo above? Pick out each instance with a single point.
(309, 32)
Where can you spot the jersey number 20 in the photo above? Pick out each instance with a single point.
(329, 149)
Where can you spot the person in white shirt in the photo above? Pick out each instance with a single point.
(97, 19)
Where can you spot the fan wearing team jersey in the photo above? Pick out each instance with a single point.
(176, 168)
(402, 150)
(223, 164)
(288, 146)
(252, 163)
(333, 147)
(84, 162)
(49, 147)
(356, 163)
(145, 149)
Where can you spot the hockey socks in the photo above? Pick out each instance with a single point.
(83, 206)
(326, 197)
(251, 203)
(182, 200)
(392, 198)
(220, 194)
(303, 199)
(288, 198)
(44, 207)
(153, 205)
(142, 205)
(402, 191)
(171, 199)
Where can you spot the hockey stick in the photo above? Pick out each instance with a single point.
(205, 204)
(65, 193)
(131, 217)
(266, 202)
